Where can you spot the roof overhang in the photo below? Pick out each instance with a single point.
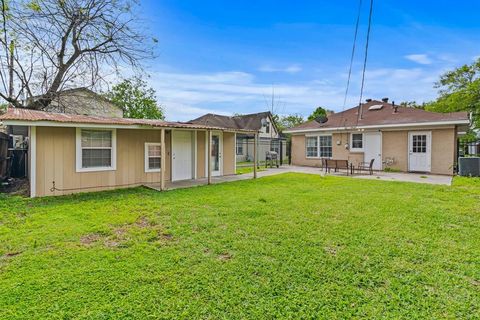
(384, 126)
(46, 123)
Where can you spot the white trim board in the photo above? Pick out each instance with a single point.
(407, 126)
(45, 123)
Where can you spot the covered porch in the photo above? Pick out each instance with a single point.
(195, 157)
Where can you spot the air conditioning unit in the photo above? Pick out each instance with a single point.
(469, 166)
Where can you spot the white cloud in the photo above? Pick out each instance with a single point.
(294, 68)
(186, 96)
(189, 95)
(419, 58)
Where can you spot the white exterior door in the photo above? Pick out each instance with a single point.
(419, 151)
(373, 149)
(182, 155)
(216, 157)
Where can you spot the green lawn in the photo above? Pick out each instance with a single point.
(287, 246)
(243, 170)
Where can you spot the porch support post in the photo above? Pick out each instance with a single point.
(162, 159)
(209, 157)
(32, 155)
(255, 141)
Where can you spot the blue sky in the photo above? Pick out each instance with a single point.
(225, 56)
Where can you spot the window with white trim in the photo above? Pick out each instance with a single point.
(153, 157)
(312, 147)
(319, 146)
(239, 146)
(325, 143)
(96, 149)
(356, 143)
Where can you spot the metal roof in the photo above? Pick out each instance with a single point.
(36, 116)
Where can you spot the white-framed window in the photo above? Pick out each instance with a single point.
(311, 144)
(267, 127)
(153, 157)
(239, 146)
(325, 143)
(356, 142)
(319, 146)
(96, 149)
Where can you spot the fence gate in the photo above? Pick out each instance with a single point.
(245, 149)
(4, 156)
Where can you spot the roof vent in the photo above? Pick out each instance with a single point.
(368, 100)
(376, 107)
(385, 100)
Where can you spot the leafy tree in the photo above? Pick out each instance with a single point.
(318, 113)
(459, 91)
(47, 46)
(412, 104)
(288, 121)
(136, 99)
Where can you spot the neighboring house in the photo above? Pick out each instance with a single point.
(85, 102)
(76, 153)
(269, 138)
(81, 101)
(405, 139)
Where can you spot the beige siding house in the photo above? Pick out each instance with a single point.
(398, 138)
(75, 153)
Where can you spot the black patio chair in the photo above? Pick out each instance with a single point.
(366, 166)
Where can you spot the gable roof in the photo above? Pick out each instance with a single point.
(247, 122)
(23, 116)
(382, 114)
(73, 91)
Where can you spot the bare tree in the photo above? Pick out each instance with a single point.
(51, 45)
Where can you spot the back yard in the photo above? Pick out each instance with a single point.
(292, 246)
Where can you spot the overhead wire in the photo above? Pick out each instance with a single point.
(352, 57)
(360, 107)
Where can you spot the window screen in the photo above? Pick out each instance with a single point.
(96, 148)
(154, 156)
(325, 146)
(312, 146)
(357, 141)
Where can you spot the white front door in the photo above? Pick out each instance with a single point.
(419, 151)
(373, 149)
(182, 155)
(217, 153)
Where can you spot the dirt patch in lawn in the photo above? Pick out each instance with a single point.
(225, 256)
(90, 238)
(143, 229)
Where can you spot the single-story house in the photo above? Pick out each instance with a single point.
(70, 153)
(269, 137)
(400, 138)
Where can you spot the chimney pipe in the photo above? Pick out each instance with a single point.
(385, 100)
(395, 107)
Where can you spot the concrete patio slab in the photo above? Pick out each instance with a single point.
(384, 176)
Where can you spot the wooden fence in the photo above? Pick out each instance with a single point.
(4, 156)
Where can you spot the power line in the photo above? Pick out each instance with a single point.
(360, 108)
(351, 60)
